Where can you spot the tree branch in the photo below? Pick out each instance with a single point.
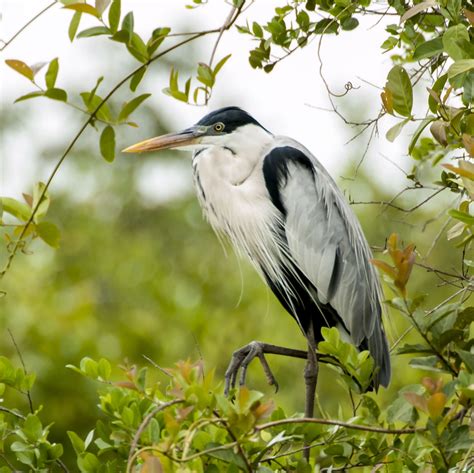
(311, 420)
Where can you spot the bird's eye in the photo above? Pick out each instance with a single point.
(218, 127)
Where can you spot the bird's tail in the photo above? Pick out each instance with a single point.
(378, 347)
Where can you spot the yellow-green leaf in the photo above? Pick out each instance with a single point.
(74, 25)
(52, 73)
(398, 83)
(83, 8)
(20, 67)
(49, 233)
(129, 107)
(16, 208)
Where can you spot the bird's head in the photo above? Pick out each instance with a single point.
(218, 128)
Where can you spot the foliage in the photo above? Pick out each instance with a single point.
(179, 420)
(186, 424)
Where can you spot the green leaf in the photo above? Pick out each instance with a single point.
(349, 23)
(428, 363)
(326, 26)
(56, 94)
(31, 95)
(49, 233)
(92, 102)
(467, 358)
(107, 144)
(137, 78)
(129, 107)
(20, 67)
(83, 8)
(414, 139)
(88, 463)
(392, 134)
(39, 193)
(32, 428)
(137, 48)
(454, 42)
(157, 37)
(114, 15)
(94, 31)
(128, 24)
(220, 64)
(104, 369)
(74, 25)
(257, 30)
(52, 73)
(428, 49)
(16, 208)
(462, 216)
(460, 67)
(437, 87)
(205, 75)
(228, 456)
(399, 85)
(414, 348)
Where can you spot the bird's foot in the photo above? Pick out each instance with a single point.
(241, 359)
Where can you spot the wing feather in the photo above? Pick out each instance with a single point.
(326, 243)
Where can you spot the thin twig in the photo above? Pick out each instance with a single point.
(22, 361)
(13, 413)
(397, 207)
(313, 420)
(23, 28)
(158, 367)
(239, 447)
(143, 426)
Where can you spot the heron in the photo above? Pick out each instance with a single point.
(281, 209)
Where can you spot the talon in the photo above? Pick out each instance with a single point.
(240, 361)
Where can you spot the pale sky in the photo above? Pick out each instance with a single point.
(282, 101)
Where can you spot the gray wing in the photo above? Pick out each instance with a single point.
(327, 244)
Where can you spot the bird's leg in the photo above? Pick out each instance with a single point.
(242, 357)
(310, 377)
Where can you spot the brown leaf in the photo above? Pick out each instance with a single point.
(184, 412)
(432, 385)
(151, 464)
(28, 199)
(386, 268)
(263, 409)
(417, 401)
(126, 384)
(469, 15)
(438, 130)
(468, 142)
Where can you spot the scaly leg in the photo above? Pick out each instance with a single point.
(242, 357)
(310, 377)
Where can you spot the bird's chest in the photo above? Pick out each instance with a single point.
(235, 199)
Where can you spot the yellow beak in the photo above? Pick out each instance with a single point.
(191, 136)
